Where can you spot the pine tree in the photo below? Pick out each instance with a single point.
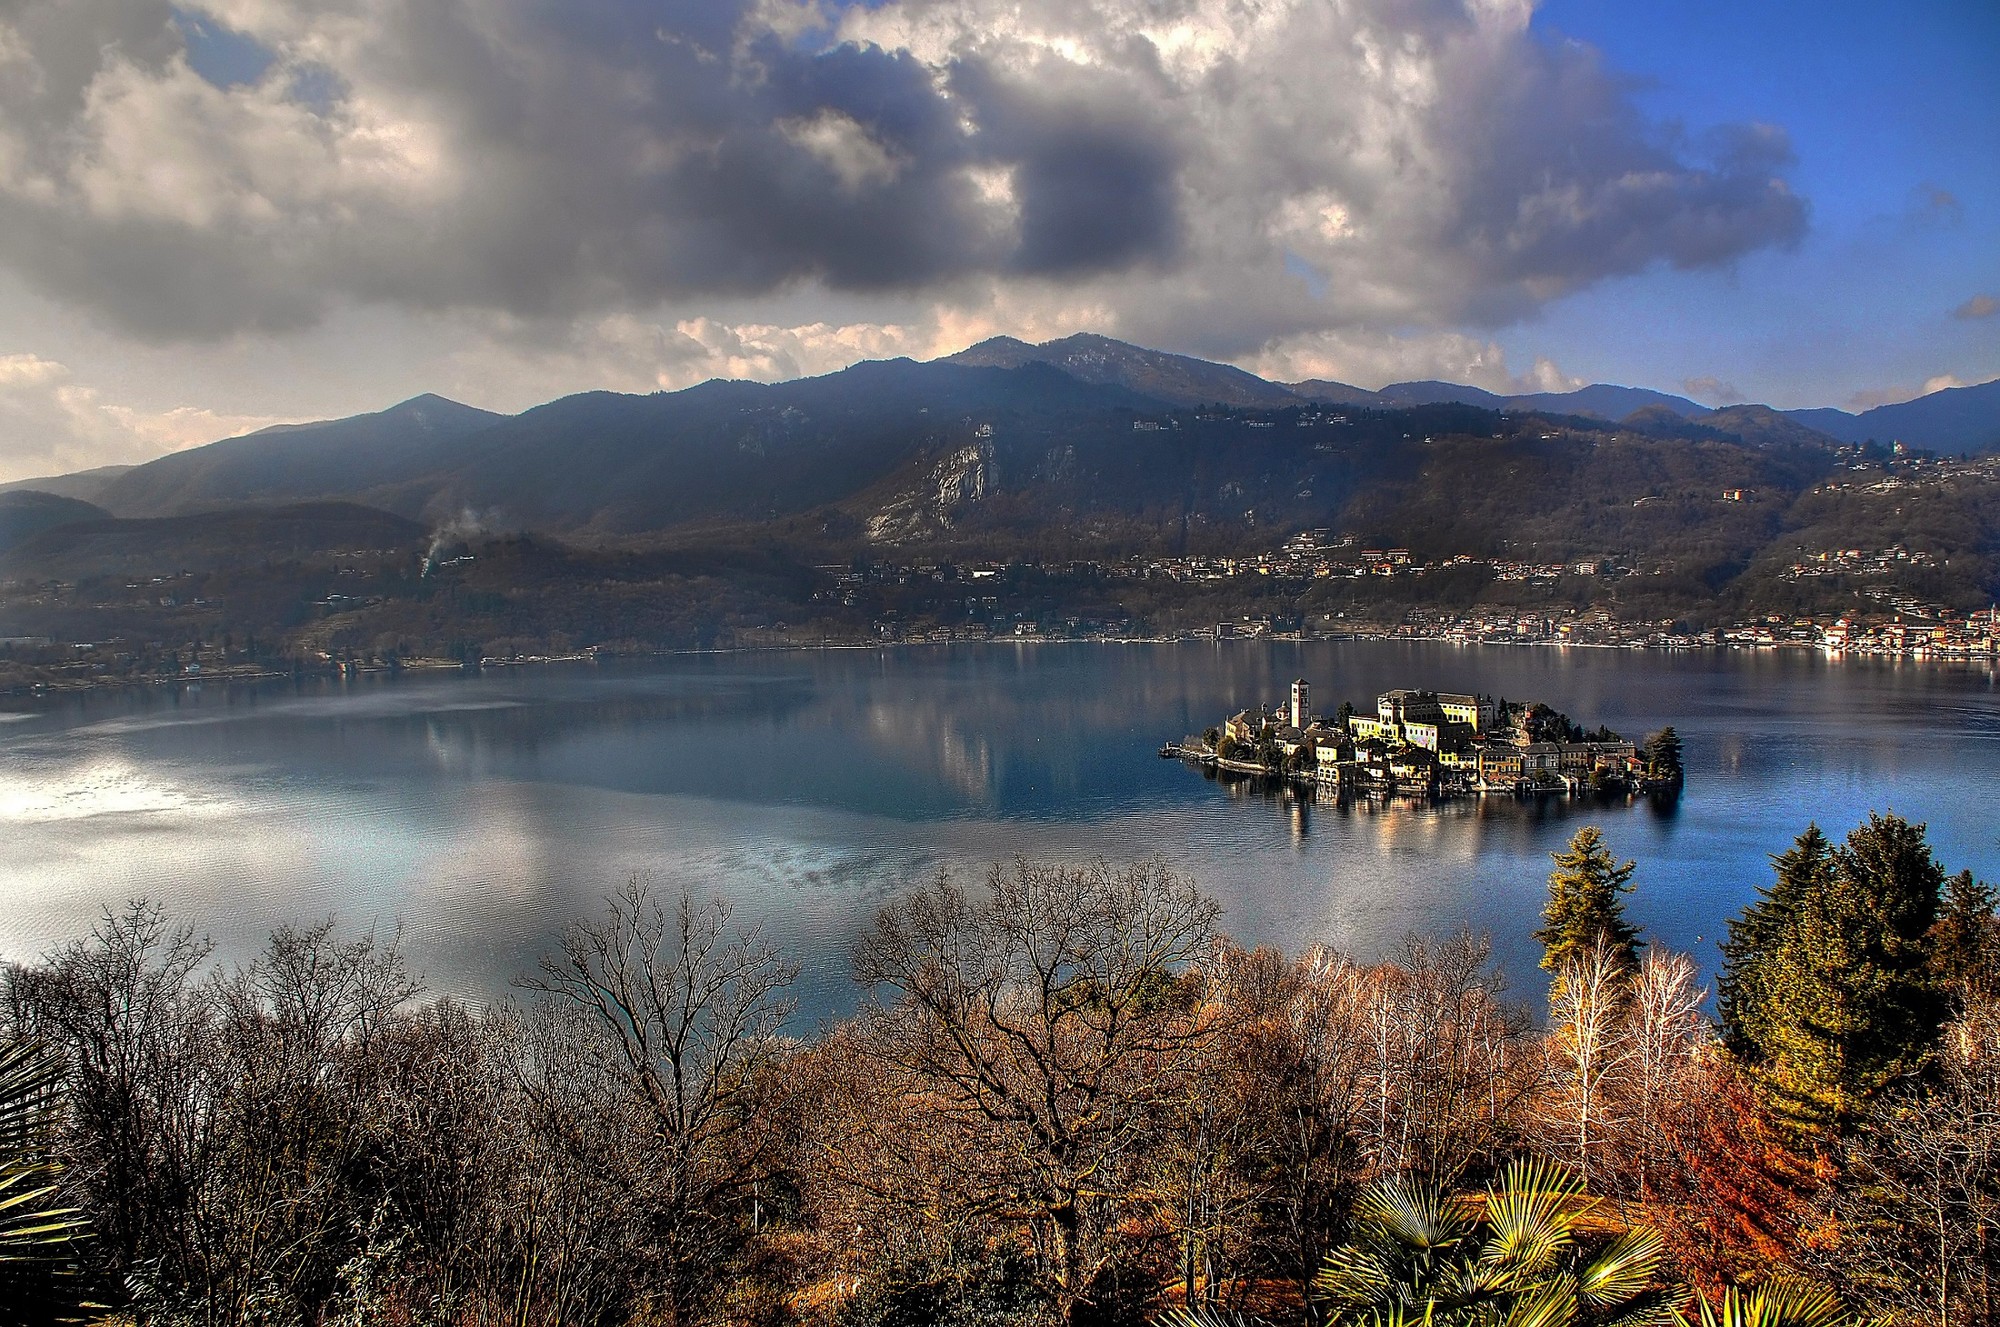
(1586, 905)
(1831, 996)
(1741, 997)
(1663, 756)
(1965, 942)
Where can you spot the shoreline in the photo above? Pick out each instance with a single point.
(51, 691)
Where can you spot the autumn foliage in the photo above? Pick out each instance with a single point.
(1068, 1099)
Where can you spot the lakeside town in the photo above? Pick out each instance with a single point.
(1430, 744)
(1903, 629)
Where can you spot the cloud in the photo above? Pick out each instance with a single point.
(1868, 400)
(52, 424)
(1712, 390)
(1220, 178)
(1979, 306)
(1931, 204)
(1363, 359)
(1545, 376)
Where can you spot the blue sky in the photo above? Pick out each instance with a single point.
(1887, 107)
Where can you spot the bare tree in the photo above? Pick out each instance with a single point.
(1590, 1046)
(1264, 1156)
(124, 1009)
(1442, 1075)
(1046, 1015)
(692, 1012)
(1921, 1210)
(1667, 1037)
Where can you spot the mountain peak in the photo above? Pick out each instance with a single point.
(1004, 352)
(1093, 358)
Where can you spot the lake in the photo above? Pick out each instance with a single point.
(480, 813)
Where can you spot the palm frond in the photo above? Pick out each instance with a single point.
(28, 1075)
(1654, 1308)
(1410, 1214)
(1354, 1276)
(1204, 1315)
(1392, 1315)
(1780, 1302)
(1531, 1219)
(1551, 1303)
(31, 1230)
(1623, 1270)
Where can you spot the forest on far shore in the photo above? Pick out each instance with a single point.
(1068, 1099)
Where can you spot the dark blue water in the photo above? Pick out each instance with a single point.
(482, 813)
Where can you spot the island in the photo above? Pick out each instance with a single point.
(1432, 744)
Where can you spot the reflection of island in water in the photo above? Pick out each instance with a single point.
(1428, 746)
(1301, 802)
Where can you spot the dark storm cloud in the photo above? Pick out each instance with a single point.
(1093, 176)
(553, 159)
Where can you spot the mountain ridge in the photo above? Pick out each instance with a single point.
(616, 463)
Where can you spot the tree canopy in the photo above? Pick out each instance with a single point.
(1586, 905)
(1827, 992)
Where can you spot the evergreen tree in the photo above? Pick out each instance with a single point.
(1741, 996)
(1965, 941)
(1831, 996)
(1663, 756)
(1586, 905)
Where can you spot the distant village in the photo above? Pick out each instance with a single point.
(1432, 744)
(1891, 623)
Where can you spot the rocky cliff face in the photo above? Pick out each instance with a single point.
(958, 480)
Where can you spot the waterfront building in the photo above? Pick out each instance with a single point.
(1475, 711)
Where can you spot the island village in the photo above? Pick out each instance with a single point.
(1430, 744)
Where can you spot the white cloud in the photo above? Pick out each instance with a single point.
(1366, 360)
(1182, 164)
(1898, 393)
(1712, 390)
(52, 424)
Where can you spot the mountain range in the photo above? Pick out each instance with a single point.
(1960, 419)
(887, 441)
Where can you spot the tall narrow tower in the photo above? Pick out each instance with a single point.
(1301, 704)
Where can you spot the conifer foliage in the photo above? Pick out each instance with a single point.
(1827, 993)
(1663, 758)
(1586, 906)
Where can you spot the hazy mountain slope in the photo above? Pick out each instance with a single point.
(1606, 401)
(84, 485)
(1838, 424)
(207, 541)
(1957, 419)
(1334, 393)
(27, 512)
(730, 453)
(1178, 379)
(1599, 400)
(1761, 426)
(733, 451)
(1430, 392)
(340, 458)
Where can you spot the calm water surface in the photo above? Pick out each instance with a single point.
(481, 813)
